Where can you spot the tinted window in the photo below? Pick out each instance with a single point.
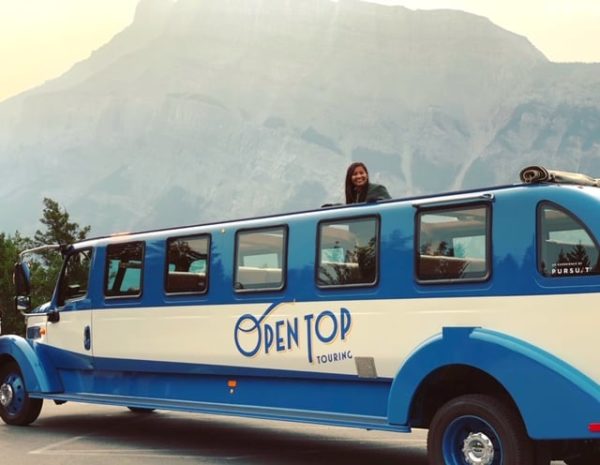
(187, 264)
(453, 244)
(348, 251)
(567, 248)
(260, 259)
(124, 264)
(75, 276)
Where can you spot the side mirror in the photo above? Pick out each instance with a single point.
(23, 303)
(22, 279)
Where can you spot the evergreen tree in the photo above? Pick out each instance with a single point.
(12, 321)
(579, 256)
(59, 230)
(45, 267)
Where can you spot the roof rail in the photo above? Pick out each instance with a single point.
(538, 174)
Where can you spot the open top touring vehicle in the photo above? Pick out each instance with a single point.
(472, 314)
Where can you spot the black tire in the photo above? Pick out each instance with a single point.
(16, 407)
(140, 410)
(485, 427)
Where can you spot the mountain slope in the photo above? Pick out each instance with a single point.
(210, 110)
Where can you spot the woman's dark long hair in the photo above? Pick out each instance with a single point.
(351, 194)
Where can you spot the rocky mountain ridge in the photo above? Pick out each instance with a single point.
(202, 111)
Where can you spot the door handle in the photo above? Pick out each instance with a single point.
(87, 338)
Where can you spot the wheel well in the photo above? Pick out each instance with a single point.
(5, 359)
(449, 382)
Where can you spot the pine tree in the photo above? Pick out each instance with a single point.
(45, 267)
(12, 321)
(59, 230)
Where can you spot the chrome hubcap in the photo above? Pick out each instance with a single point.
(478, 449)
(6, 394)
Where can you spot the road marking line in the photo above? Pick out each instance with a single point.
(44, 449)
(138, 453)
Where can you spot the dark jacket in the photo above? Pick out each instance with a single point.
(374, 192)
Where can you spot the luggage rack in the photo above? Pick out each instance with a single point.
(538, 174)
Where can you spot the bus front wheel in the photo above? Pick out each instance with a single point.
(478, 429)
(16, 407)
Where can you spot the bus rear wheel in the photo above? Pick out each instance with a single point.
(478, 429)
(16, 407)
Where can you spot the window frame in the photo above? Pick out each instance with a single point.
(61, 300)
(422, 210)
(539, 240)
(284, 258)
(168, 240)
(107, 268)
(375, 283)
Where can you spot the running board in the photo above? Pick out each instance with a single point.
(267, 413)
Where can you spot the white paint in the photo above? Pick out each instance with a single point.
(387, 330)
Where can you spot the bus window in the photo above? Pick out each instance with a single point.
(75, 276)
(453, 244)
(124, 263)
(260, 259)
(348, 251)
(187, 265)
(567, 248)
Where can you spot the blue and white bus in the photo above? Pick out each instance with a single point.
(472, 314)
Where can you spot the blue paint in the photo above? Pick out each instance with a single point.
(513, 261)
(37, 370)
(543, 387)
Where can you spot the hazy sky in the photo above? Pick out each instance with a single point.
(41, 39)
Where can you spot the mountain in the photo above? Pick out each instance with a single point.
(211, 110)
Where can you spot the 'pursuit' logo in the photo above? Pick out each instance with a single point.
(255, 335)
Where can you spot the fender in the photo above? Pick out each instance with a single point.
(556, 401)
(39, 374)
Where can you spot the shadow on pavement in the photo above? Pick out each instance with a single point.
(169, 435)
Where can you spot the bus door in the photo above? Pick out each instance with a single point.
(69, 323)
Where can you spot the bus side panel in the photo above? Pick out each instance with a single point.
(177, 383)
(555, 400)
(39, 374)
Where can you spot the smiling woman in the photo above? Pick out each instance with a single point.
(40, 40)
(359, 189)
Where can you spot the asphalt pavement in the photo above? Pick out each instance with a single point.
(93, 435)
